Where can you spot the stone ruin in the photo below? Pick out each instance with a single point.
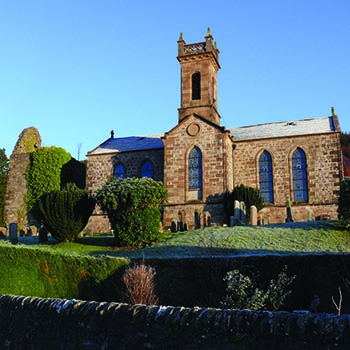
(15, 210)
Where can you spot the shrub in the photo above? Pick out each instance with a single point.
(344, 203)
(139, 282)
(244, 294)
(133, 209)
(250, 196)
(66, 212)
(43, 175)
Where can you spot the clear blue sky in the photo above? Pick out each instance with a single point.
(76, 69)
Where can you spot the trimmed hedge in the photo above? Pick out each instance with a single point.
(36, 272)
(344, 202)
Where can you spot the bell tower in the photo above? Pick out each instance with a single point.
(199, 66)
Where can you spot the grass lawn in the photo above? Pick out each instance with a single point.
(295, 238)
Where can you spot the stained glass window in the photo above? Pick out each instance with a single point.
(195, 168)
(265, 176)
(299, 175)
(196, 86)
(119, 171)
(146, 170)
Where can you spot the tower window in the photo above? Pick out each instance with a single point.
(147, 170)
(119, 171)
(265, 177)
(299, 175)
(196, 86)
(195, 169)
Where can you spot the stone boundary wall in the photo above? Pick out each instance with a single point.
(35, 323)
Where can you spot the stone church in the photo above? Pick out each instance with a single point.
(296, 161)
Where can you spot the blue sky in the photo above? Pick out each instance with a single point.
(76, 69)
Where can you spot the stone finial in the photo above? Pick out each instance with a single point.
(181, 38)
(112, 134)
(208, 32)
(333, 112)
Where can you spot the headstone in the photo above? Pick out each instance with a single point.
(34, 230)
(13, 233)
(232, 221)
(43, 232)
(289, 217)
(243, 212)
(197, 219)
(185, 227)
(21, 232)
(253, 215)
(206, 218)
(173, 227)
(309, 214)
(237, 212)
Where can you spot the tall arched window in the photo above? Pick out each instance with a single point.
(265, 177)
(119, 171)
(299, 175)
(147, 170)
(196, 86)
(195, 169)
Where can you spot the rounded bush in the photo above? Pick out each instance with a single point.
(133, 208)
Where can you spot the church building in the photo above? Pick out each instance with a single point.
(295, 162)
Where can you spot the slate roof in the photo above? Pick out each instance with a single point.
(282, 129)
(130, 143)
(253, 132)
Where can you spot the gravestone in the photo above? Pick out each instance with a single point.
(43, 234)
(243, 213)
(13, 234)
(173, 227)
(253, 215)
(237, 212)
(232, 221)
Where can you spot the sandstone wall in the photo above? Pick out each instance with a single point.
(323, 172)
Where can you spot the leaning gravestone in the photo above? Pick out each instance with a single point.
(243, 212)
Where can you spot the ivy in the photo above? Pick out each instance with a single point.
(43, 175)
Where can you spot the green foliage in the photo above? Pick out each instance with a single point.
(66, 212)
(344, 203)
(245, 293)
(344, 139)
(250, 196)
(4, 164)
(37, 272)
(43, 175)
(133, 208)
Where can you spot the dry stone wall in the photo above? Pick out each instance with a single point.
(34, 323)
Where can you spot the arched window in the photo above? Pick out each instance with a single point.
(119, 171)
(147, 170)
(196, 86)
(299, 175)
(195, 169)
(265, 177)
